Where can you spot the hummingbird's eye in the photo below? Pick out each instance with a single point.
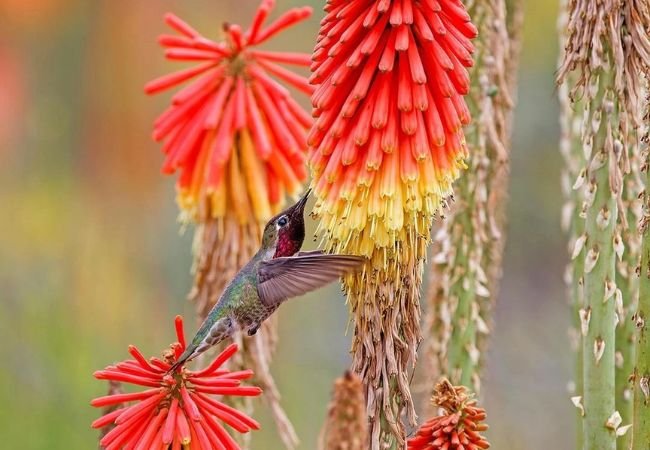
(282, 221)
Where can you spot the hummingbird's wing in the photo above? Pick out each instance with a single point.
(284, 278)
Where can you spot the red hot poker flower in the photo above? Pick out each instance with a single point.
(177, 409)
(387, 144)
(459, 427)
(235, 133)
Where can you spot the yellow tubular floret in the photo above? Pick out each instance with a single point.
(255, 177)
(218, 200)
(238, 193)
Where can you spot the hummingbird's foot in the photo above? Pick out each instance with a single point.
(253, 329)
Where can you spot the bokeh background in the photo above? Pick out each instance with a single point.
(92, 259)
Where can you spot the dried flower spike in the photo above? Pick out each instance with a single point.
(346, 426)
(387, 144)
(177, 409)
(234, 133)
(458, 428)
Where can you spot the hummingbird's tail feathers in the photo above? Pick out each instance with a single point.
(284, 278)
(219, 331)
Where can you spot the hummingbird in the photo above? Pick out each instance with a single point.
(277, 272)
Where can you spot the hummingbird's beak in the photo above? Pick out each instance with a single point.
(300, 206)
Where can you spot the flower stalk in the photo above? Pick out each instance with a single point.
(468, 242)
(114, 388)
(573, 223)
(627, 283)
(641, 319)
(605, 49)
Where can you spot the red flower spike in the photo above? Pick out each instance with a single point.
(178, 411)
(234, 99)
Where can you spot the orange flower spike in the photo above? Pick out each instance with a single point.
(425, 45)
(233, 90)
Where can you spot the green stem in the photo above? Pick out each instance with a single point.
(599, 315)
(573, 221)
(462, 354)
(626, 296)
(571, 149)
(641, 415)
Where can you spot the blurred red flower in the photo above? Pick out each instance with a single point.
(235, 133)
(13, 99)
(178, 409)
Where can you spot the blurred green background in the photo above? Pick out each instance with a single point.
(91, 258)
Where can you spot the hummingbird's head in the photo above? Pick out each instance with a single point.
(286, 231)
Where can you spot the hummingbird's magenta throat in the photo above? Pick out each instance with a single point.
(286, 246)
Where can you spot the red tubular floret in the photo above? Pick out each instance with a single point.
(139, 408)
(123, 398)
(289, 18)
(189, 406)
(226, 416)
(218, 361)
(116, 375)
(145, 441)
(107, 419)
(170, 80)
(180, 25)
(215, 382)
(133, 350)
(170, 423)
(243, 391)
